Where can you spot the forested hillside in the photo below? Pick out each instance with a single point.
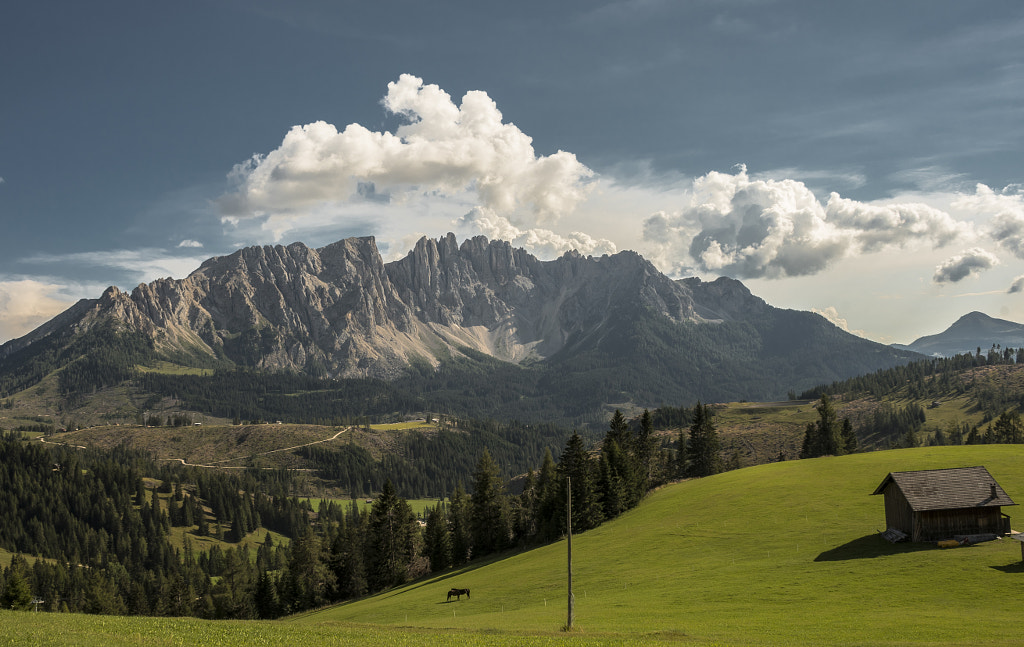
(114, 532)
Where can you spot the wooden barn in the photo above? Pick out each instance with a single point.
(930, 505)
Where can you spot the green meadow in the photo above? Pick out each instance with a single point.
(778, 554)
(419, 506)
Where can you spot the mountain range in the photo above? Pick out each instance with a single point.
(970, 333)
(451, 323)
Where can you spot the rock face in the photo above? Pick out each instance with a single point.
(340, 311)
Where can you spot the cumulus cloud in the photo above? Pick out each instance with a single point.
(971, 262)
(443, 148)
(140, 265)
(752, 228)
(1005, 211)
(26, 304)
(188, 242)
(831, 314)
(1017, 285)
(542, 243)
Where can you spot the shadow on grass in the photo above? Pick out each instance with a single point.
(869, 546)
(1016, 567)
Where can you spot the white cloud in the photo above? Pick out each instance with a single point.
(444, 148)
(25, 304)
(142, 265)
(1005, 212)
(188, 242)
(751, 228)
(1017, 285)
(831, 314)
(970, 262)
(543, 243)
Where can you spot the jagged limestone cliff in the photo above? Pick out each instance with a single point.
(341, 311)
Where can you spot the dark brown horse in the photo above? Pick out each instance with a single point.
(457, 593)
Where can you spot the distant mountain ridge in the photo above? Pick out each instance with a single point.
(967, 334)
(612, 328)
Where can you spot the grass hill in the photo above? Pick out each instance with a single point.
(778, 554)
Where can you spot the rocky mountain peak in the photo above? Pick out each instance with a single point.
(343, 310)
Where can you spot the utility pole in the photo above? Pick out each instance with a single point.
(568, 525)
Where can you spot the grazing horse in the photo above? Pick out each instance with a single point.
(457, 593)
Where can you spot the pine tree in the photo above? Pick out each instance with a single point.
(609, 483)
(265, 598)
(16, 591)
(526, 510)
(681, 454)
(389, 539)
(489, 521)
(848, 437)
(309, 577)
(823, 438)
(623, 478)
(458, 524)
(578, 466)
(645, 454)
(548, 494)
(704, 448)
(437, 539)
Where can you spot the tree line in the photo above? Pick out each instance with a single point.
(102, 536)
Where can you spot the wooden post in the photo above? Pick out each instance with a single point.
(568, 525)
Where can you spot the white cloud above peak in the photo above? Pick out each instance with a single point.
(971, 262)
(444, 148)
(761, 228)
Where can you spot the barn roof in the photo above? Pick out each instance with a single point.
(948, 489)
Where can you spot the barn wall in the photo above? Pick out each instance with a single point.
(898, 513)
(934, 525)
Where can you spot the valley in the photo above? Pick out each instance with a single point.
(324, 438)
(780, 554)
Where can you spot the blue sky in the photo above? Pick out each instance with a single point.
(858, 159)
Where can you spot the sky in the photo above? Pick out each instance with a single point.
(861, 159)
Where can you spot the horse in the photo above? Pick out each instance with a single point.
(457, 593)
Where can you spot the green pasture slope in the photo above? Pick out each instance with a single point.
(778, 554)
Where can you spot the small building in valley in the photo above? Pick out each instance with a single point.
(930, 505)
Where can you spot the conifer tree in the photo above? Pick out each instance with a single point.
(16, 591)
(823, 438)
(489, 522)
(609, 483)
(458, 524)
(389, 539)
(437, 539)
(548, 494)
(526, 509)
(645, 454)
(682, 456)
(704, 447)
(578, 466)
(848, 437)
(624, 473)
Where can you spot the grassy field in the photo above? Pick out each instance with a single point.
(404, 426)
(419, 506)
(26, 629)
(266, 445)
(168, 368)
(778, 554)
